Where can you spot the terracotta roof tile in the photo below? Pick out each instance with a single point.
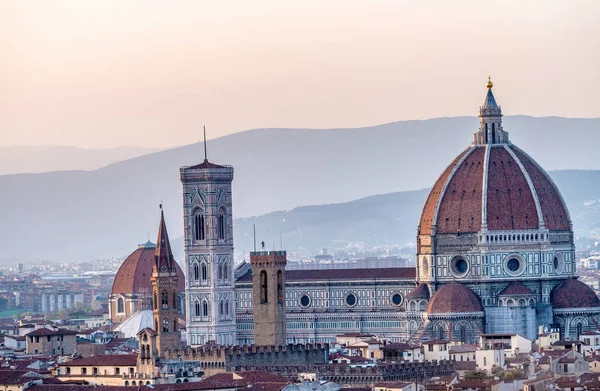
(455, 298)
(47, 332)
(420, 292)
(515, 288)
(572, 293)
(342, 274)
(436, 191)
(134, 274)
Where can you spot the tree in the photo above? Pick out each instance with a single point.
(497, 370)
(476, 375)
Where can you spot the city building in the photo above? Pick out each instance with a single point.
(51, 341)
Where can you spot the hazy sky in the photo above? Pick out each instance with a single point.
(150, 73)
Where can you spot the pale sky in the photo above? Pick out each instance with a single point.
(100, 74)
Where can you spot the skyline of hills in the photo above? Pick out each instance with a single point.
(106, 212)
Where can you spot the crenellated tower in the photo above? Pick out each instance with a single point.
(268, 297)
(208, 235)
(164, 292)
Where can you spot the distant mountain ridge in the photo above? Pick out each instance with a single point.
(391, 219)
(48, 158)
(106, 212)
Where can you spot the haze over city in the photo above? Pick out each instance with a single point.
(101, 74)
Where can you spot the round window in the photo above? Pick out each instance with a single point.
(304, 301)
(513, 264)
(555, 263)
(351, 300)
(459, 266)
(396, 299)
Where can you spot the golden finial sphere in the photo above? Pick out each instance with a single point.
(489, 83)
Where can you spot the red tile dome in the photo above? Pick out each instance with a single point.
(518, 194)
(134, 274)
(421, 291)
(572, 293)
(454, 297)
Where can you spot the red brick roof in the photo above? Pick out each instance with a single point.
(125, 360)
(343, 274)
(205, 164)
(46, 332)
(454, 297)
(572, 293)
(515, 288)
(13, 376)
(420, 292)
(455, 201)
(134, 274)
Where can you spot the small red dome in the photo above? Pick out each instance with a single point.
(516, 189)
(572, 293)
(454, 297)
(420, 292)
(134, 274)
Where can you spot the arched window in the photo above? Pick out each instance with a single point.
(120, 305)
(165, 326)
(219, 271)
(174, 300)
(155, 301)
(165, 300)
(225, 271)
(196, 272)
(441, 333)
(422, 305)
(226, 308)
(280, 286)
(413, 306)
(197, 309)
(493, 133)
(579, 330)
(221, 308)
(264, 296)
(204, 272)
(199, 233)
(463, 334)
(221, 224)
(205, 309)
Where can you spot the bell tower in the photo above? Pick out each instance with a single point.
(208, 236)
(268, 297)
(164, 292)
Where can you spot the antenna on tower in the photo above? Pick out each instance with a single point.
(205, 154)
(254, 228)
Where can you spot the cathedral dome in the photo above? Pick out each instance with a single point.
(454, 298)
(493, 185)
(420, 292)
(134, 274)
(572, 293)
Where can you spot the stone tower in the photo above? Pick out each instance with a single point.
(148, 354)
(208, 227)
(268, 297)
(164, 292)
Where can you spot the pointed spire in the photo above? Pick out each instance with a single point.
(163, 256)
(490, 101)
(205, 154)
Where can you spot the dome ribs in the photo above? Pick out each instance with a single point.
(432, 199)
(554, 211)
(510, 204)
(460, 208)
